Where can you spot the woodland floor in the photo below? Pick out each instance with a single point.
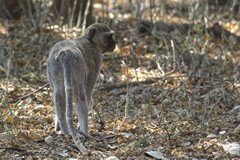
(179, 91)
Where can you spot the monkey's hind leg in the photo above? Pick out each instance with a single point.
(60, 109)
(82, 112)
(68, 83)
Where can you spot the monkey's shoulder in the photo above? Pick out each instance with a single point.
(66, 45)
(70, 43)
(76, 49)
(81, 43)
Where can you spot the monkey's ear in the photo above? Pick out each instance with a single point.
(91, 33)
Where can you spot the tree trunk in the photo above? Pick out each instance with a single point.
(10, 9)
(14, 9)
(74, 12)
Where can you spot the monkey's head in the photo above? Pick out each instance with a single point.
(102, 36)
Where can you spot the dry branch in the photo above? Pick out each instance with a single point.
(135, 83)
(125, 84)
(28, 95)
(216, 30)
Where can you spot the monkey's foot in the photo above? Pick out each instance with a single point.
(82, 136)
(81, 147)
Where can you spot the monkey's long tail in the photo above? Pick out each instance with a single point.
(65, 60)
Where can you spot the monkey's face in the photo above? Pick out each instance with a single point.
(102, 36)
(109, 41)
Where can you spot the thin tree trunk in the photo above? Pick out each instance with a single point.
(74, 12)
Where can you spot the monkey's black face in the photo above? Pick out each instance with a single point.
(110, 43)
(102, 36)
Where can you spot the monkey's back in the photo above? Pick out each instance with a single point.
(63, 53)
(84, 57)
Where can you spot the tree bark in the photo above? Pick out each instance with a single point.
(74, 12)
(9, 9)
(14, 9)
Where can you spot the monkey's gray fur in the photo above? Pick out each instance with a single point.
(72, 69)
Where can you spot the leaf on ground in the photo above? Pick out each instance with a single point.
(6, 137)
(9, 119)
(112, 158)
(49, 139)
(232, 148)
(237, 129)
(127, 134)
(64, 153)
(212, 136)
(235, 109)
(155, 154)
(186, 143)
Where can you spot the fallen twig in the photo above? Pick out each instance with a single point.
(217, 30)
(17, 149)
(12, 148)
(125, 84)
(30, 94)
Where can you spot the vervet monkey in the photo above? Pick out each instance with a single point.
(72, 69)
